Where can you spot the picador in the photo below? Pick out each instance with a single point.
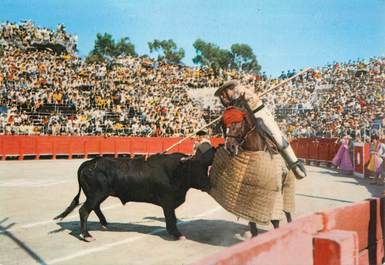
(264, 123)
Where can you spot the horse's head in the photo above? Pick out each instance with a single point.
(238, 126)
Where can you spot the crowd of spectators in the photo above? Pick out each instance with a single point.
(66, 96)
(46, 91)
(26, 35)
(346, 99)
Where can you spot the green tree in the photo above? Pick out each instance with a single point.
(105, 46)
(243, 58)
(94, 57)
(125, 47)
(167, 50)
(211, 55)
(239, 57)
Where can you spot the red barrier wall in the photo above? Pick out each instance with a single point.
(15, 145)
(352, 234)
(315, 149)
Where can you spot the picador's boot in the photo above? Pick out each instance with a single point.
(293, 163)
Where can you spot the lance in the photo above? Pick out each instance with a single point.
(217, 119)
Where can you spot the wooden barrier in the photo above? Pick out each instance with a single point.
(365, 218)
(315, 149)
(21, 146)
(310, 149)
(335, 247)
(289, 245)
(361, 157)
(352, 234)
(53, 146)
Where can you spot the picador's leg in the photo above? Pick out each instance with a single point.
(265, 134)
(268, 129)
(253, 229)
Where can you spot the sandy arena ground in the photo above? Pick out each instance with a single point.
(33, 192)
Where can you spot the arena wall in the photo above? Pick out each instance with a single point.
(312, 150)
(69, 146)
(352, 234)
(21, 146)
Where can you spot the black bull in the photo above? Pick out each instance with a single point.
(162, 180)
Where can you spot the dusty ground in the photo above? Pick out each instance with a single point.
(33, 192)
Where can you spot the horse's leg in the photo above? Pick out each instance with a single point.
(275, 223)
(253, 229)
(288, 216)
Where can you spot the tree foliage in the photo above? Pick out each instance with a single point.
(167, 50)
(105, 46)
(244, 59)
(240, 57)
(211, 55)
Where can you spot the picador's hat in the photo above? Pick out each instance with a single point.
(228, 85)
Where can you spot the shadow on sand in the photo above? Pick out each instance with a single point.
(374, 190)
(212, 232)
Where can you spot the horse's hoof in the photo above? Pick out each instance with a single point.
(247, 235)
(182, 238)
(104, 227)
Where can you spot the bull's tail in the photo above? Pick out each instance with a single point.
(71, 207)
(75, 201)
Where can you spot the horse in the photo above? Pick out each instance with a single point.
(243, 131)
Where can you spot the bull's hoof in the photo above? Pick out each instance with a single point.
(104, 227)
(178, 236)
(88, 238)
(181, 238)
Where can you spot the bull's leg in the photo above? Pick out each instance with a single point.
(169, 214)
(288, 216)
(275, 223)
(84, 212)
(253, 229)
(101, 217)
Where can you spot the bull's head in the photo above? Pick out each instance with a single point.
(207, 155)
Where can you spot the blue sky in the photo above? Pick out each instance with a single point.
(283, 34)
